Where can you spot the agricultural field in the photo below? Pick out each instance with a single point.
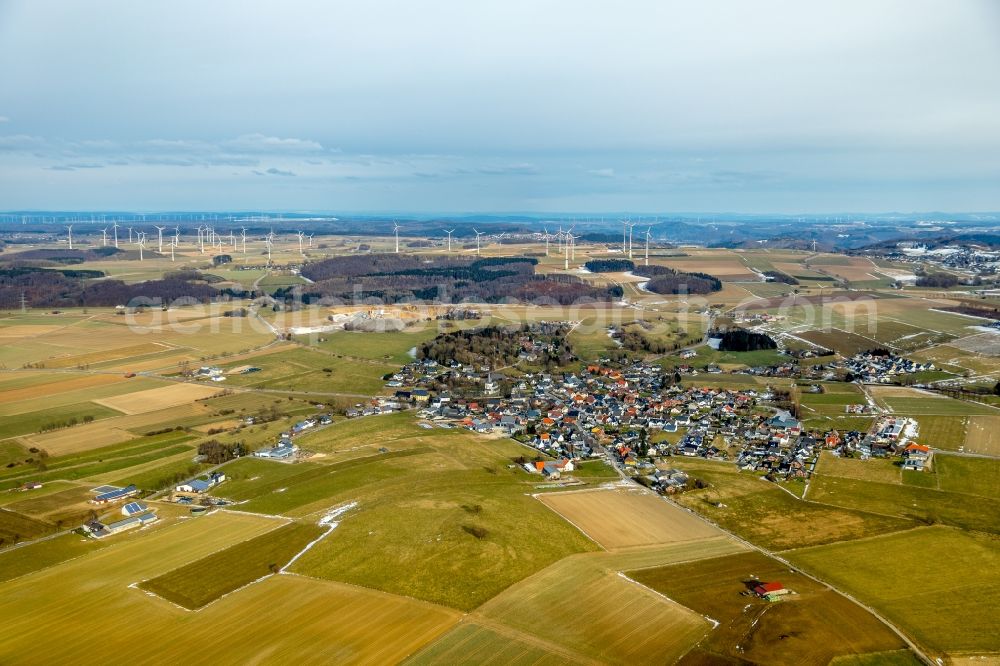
(942, 607)
(910, 502)
(944, 432)
(811, 626)
(723, 264)
(875, 469)
(452, 552)
(917, 402)
(451, 537)
(101, 582)
(306, 369)
(624, 518)
(199, 583)
(757, 510)
(474, 643)
(983, 435)
(156, 399)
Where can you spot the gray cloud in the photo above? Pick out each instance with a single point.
(698, 106)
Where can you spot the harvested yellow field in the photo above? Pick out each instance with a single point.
(899, 392)
(104, 355)
(228, 424)
(78, 438)
(59, 384)
(983, 435)
(25, 330)
(583, 605)
(151, 400)
(168, 362)
(162, 417)
(50, 614)
(623, 518)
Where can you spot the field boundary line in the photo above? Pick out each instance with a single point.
(776, 556)
(580, 529)
(621, 574)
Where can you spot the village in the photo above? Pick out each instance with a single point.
(635, 416)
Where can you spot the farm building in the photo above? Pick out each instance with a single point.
(284, 449)
(126, 524)
(202, 485)
(134, 508)
(115, 495)
(770, 591)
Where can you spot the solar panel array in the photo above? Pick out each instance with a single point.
(134, 507)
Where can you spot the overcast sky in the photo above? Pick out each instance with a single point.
(501, 105)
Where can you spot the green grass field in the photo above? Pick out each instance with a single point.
(27, 559)
(471, 643)
(943, 432)
(451, 537)
(766, 515)
(93, 468)
(909, 502)
(930, 405)
(199, 583)
(935, 583)
(389, 346)
(306, 369)
(31, 422)
(972, 476)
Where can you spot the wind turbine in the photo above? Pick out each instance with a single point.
(130, 235)
(395, 229)
(302, 234)
(201, 238)
(114, 227)
(243, 231)
(141, 242)
(631, 226)
(69, 230)
(310, 237)
(232, 239)
(268, 239)
(570, 247)
(478, 234)
(648, 235)
(104, 231)
(449, 232)
(177, 236)
(546, 240)
(625, 236)
(159, 231)
(173, 245)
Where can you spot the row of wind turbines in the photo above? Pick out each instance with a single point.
(566, 241)
(210, 237)
(207, 236)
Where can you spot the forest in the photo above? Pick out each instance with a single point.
(666, 280)
(609, 265)
(45, 288)
(741, 340)
(392, 278)
(501, 346)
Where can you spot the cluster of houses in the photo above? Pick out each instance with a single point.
(634, 415)
(890, 437)
(883, 367)
(285, 449)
